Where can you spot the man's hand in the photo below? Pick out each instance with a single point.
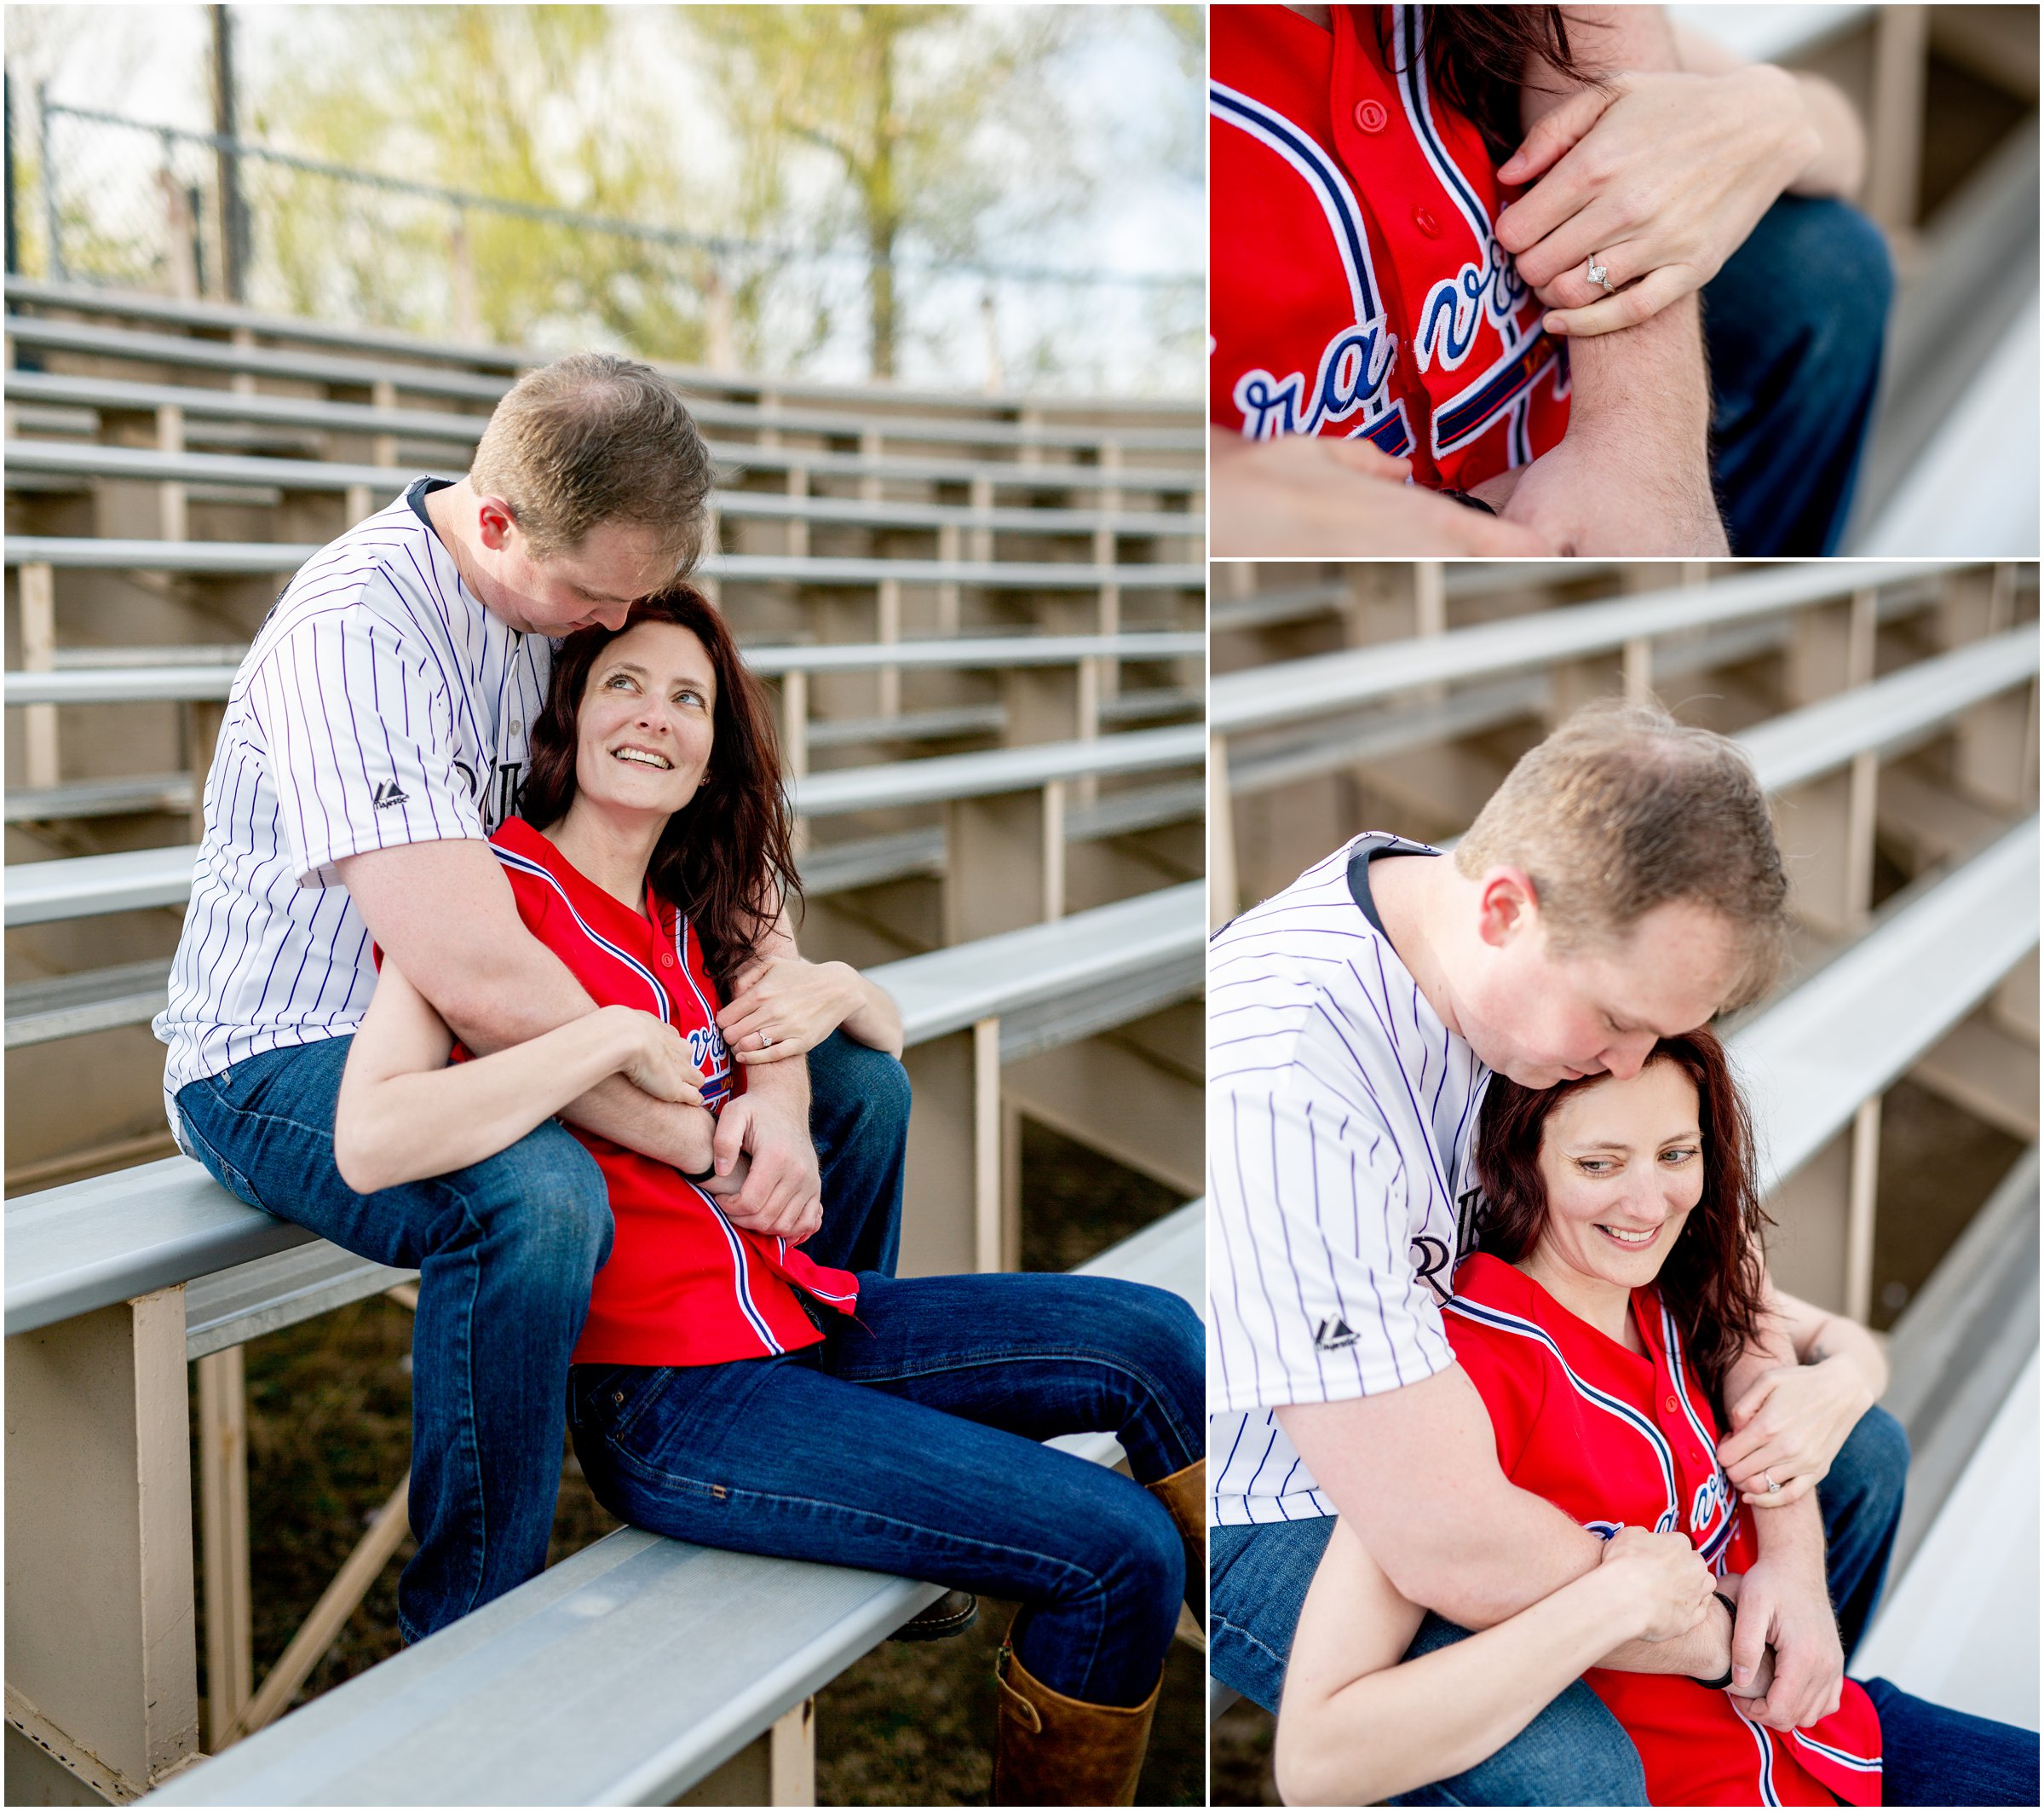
(1778, 1608)
(1612, 494)
(1789, 1428)
(1307, 495)
(782, 1194)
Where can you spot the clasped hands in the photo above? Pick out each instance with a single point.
(766, 1177)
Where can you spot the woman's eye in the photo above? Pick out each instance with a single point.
(1681, 1154)
(1596, 1166)
(618, 680)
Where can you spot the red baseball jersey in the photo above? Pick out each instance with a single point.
(682, 1285)
(1617, 1440)
(1357, 288)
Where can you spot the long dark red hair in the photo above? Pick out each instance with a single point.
(724, 858)
(1476, 59)
(1712, 1281)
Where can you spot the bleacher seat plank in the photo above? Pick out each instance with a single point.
(1851, 1029)
(90, 1244)
(620, 1676)
(228, 558)
(215, 317)
(217, 410)
(54, 459)
(1268, 695)
(108, 798)
(67, 1006)
(426, 380)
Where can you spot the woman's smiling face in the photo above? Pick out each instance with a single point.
(1621, 1163)
(647, 720)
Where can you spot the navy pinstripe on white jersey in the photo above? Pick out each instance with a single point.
(1340, 1112)
(380, 704)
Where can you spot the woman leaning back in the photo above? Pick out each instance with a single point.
(725, 1389)
(1616, 1277)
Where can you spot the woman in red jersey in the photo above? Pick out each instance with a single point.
(726, 1390)
(1616, 1280)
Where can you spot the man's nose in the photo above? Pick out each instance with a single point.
(1628, 1056)
(613, 616)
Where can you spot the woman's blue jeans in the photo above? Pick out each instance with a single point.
(1574, 1752)
(506, 1251)
(910, 1440)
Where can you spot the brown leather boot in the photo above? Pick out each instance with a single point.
(1051, 1750)
(1184, 1494)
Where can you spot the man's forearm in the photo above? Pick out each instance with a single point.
(1647, 380)
(534, 993)
(1794, 1531)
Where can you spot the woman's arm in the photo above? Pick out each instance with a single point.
(405, 1112)
(1358, 1725)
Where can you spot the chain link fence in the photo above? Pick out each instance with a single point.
(102, 199)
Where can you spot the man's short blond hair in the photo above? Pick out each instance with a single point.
(1623, 809)
(593, 438)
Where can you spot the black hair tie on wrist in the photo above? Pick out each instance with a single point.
(1732, 1611)
(1469, 502)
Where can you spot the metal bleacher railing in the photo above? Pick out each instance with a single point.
(909, 613)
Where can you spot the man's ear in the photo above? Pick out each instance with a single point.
(1507, 905)
(494, 521)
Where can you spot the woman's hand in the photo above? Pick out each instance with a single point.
(1662, 176)
(653, 1056)
(1666, 1579)
(1788, 1428)
(785, 1007)
(1312, 495)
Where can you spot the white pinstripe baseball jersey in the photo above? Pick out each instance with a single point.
(380, 704)
(1340, 1116)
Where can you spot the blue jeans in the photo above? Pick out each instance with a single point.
(506, 1250)
(1574, 1752)
(1794, 325)
(908, 1441)
(1931, 1755)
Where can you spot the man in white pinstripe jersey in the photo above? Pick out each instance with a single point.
(374, 736)
(1622, 884)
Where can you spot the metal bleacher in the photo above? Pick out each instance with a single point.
(983, 619)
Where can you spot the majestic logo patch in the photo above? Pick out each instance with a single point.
(388, 794)
(1333, 1334)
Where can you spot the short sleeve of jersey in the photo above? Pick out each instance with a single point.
(1315, 1297)
(1510, 1375)
(357, 731)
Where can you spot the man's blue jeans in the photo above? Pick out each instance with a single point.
(908, 1441)
(1574, 1752)
(1794, 325)
(506, 1250)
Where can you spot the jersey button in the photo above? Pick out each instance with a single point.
(1369, 116)
(1424, 219)
(1670, 1404)
(667, 962)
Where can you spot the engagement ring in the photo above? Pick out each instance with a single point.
(1767, 1479)
(1601, 274)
